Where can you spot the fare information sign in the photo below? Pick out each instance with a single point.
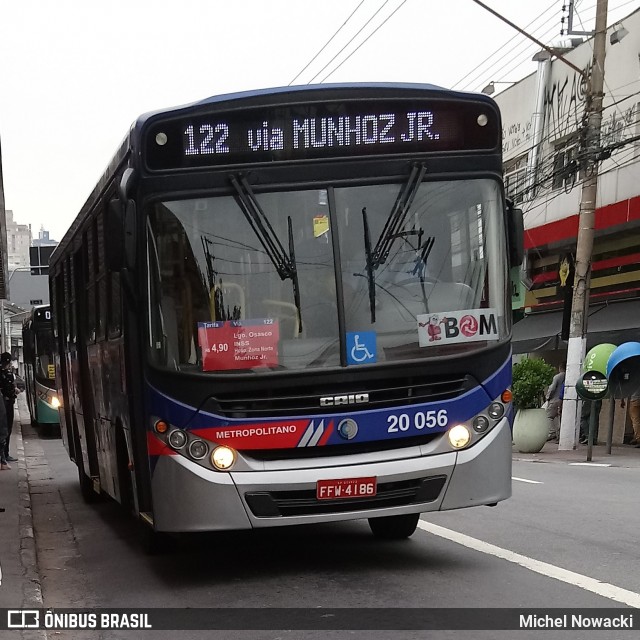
(241, 344)
(321, 130)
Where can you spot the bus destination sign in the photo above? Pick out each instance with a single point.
(312, 131)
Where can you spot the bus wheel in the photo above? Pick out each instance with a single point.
(86, 486)
(124, 473)
(394, 527)
(86, 483)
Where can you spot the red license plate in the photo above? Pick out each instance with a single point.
(346, 488)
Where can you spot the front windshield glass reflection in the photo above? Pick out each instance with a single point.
(236, 286)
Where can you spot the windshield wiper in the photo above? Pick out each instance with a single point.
(262, 228)
(397, 216)
(369, 266)
(285, 264)
(294, 276)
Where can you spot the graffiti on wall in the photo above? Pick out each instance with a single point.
(563, 110)
(564, 103)
(516, 135)
(618, 126)
(564, 106)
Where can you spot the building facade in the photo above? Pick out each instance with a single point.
(18, 242)
(543, 121)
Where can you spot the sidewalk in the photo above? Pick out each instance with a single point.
(626, 456)
(20, 587)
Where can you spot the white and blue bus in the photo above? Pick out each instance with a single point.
(39, 367)
(292, 306)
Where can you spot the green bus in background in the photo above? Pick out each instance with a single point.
(40, 371)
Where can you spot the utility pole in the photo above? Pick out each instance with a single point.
(586, 225)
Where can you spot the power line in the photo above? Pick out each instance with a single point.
(386, 2)
(366, 39)
(519, 58)
(326, 44)
(500, 51)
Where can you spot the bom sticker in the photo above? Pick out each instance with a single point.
(472, 325)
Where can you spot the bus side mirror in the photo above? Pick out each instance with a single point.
(515, 230)
(114, 231)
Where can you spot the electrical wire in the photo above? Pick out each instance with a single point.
(367, 38)
(384, 4)
(326, 44)
(520, 58)
(499, 51)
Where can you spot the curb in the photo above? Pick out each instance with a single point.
(32, 591)
(32, 587)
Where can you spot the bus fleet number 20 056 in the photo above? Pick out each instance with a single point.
(420, 420)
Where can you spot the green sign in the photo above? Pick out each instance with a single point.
(518, 290)
(597, 358)
(592, 386)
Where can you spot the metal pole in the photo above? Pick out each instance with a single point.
(584, 249)
(612, 414)
(2, 321)
(592, 429)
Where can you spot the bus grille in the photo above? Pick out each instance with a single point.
(345, 449)
(304, 399)
(284, 504)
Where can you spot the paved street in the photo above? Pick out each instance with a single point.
(566, 538)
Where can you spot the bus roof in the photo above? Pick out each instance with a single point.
(125, 148)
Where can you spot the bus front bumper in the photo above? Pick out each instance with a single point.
(188, 497)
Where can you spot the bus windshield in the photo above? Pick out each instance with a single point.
(256, 281)
(44, 363)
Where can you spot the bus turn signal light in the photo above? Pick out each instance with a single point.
(507, 396)
(161, 426)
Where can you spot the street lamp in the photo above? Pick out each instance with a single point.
(490, 89)
(619, 32)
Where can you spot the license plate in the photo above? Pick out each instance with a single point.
(345, 488)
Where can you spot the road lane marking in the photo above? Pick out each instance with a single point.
(603, 589)
(589, 464)
(528, 481)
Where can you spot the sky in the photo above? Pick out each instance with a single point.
(75, 74)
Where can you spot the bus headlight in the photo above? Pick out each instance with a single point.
(55, 403)
(222, 458)
(459, 436)
(177, 439)
(198, 449)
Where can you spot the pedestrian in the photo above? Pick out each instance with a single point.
(634, 414)
(9, 394)
(554, 403)
(4, 433)
(585, 416)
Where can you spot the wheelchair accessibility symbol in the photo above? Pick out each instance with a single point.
(361, 347)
